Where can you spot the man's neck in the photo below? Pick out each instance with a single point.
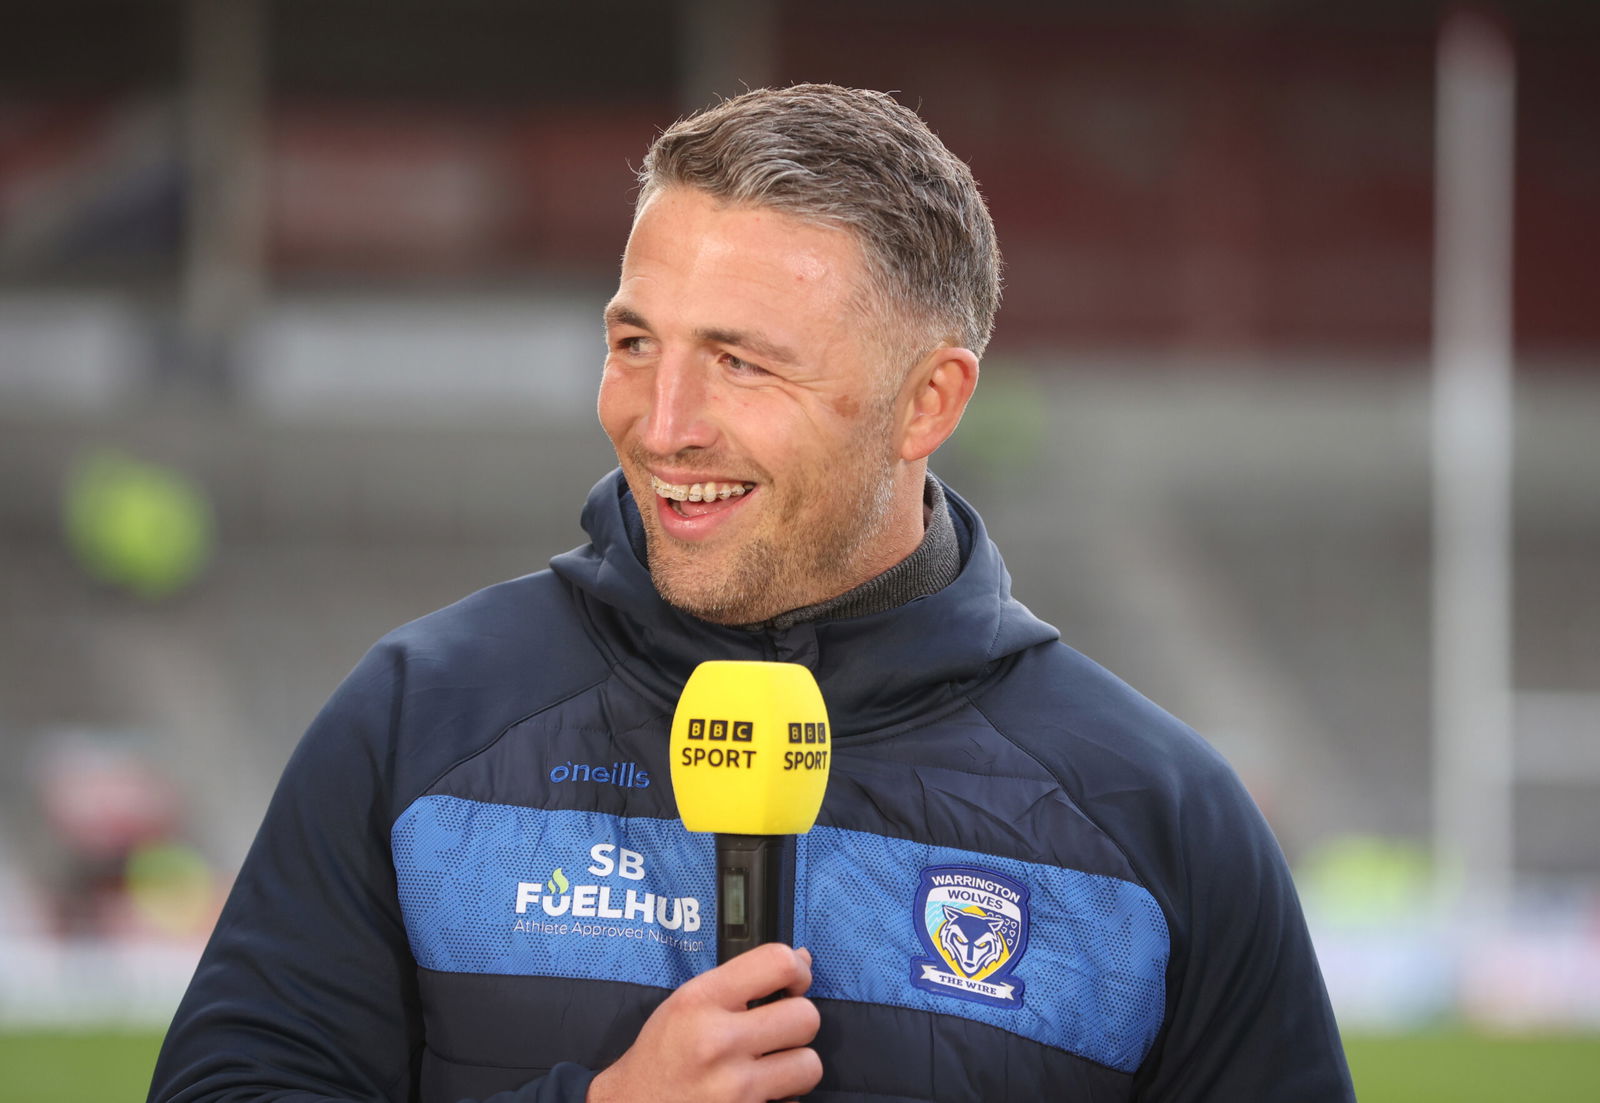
(932, 566)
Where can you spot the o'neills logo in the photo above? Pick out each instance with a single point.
(626, 774)
(974, 924)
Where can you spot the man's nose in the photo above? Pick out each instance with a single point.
(679, 415)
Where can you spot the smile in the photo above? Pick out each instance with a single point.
(698, 492)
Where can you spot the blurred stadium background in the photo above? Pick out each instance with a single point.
(299, 339)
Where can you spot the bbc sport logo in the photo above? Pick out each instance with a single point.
(808, 732)
(742, 731)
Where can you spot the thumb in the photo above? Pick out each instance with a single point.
(804, 956)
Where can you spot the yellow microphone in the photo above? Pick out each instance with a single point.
(750, 749)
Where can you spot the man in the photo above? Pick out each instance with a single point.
(1026, 882)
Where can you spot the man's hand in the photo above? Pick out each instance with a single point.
(705, 1044)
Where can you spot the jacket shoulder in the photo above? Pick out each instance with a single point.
(524, 639)
(440, 688)
(1164, 796)
(1095, 732)
(1247, 1016)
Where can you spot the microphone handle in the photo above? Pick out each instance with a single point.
(747, 892)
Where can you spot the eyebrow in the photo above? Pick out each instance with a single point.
(619, 315)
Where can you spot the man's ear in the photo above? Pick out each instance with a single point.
(935, 396)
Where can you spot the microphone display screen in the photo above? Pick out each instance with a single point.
(733, 903)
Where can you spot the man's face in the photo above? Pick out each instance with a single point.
(747, 411)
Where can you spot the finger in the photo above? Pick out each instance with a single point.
(753, 974)
(783, 1024)
(788, 1074)
(802, 983)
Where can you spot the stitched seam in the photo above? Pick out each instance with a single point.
(501, 734)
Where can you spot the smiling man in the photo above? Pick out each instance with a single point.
(780, 460)
(1026, 881)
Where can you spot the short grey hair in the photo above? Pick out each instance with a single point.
(856, 160)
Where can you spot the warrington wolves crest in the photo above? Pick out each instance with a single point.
(974, 925)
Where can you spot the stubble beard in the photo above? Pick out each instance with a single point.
(818, 558)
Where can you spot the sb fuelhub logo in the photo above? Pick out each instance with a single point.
(607, 910)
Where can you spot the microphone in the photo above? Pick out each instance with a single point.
(750, 752)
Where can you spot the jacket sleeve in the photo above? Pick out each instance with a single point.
(307, 989)
(1248, 1014)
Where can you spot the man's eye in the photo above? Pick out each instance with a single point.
(633, 346)
(742, 367)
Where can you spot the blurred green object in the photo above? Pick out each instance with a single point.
(136, 525)
(1466, 1067)
(90, 1066)
(1004, 429)
(171, 887)
(1357, 880)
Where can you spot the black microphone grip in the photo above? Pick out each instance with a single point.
(747, 892)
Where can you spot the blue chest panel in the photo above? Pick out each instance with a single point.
(1071, 960)
(1068, 959)
(496, 888)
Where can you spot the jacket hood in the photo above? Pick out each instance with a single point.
(875, 671)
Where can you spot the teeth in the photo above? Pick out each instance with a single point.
(699, 492)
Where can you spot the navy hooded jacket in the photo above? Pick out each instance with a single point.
(1027, 881)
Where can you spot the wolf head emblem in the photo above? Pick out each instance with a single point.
(972, 939)
(972, 922)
